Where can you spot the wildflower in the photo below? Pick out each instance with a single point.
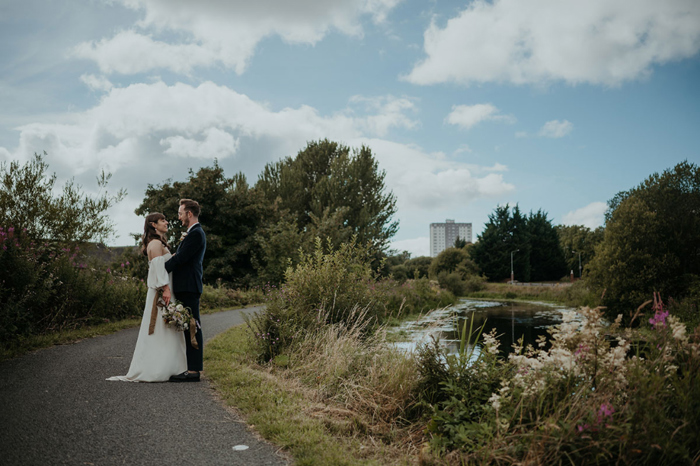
(677, 328)
(495, 401)
(122, 265)
(605, 412)
(127, 262)
(659, 319)
(109, 270)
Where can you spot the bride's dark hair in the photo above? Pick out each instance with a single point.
(150, 233)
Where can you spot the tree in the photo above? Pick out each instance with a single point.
(418, 267)
(231, 215)
(651, 241)
(575, 239)
(27, 202)
(460, 243)
(330, 190)
(546, 255)
(453, 260)
(503, 234)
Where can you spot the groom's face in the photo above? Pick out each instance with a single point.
(184, 216)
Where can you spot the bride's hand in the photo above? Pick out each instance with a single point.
(166, 295)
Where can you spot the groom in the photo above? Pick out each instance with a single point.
(186, 267)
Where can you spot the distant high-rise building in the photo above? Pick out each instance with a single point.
(444, 235)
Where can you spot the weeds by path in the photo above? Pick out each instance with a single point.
(287, 413)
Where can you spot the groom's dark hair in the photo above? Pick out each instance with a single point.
(191, 206)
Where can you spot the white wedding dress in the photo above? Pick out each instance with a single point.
(161, 354)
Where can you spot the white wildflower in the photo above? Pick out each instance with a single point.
(495, 401)
(678, 329)
(491, 343)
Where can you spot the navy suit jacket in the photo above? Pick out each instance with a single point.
(186, 264)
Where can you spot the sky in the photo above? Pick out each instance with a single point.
(466, 105)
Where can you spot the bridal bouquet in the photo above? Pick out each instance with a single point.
(175, 314)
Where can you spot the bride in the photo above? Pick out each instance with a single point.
(160, 350)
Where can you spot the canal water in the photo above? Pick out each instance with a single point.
(512, 321)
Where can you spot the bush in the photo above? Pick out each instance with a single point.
(456, 388)
(327, 288)
(452, 282)
(221, 296)
(323, 288)
(461, 286)
(409, 298)
(599, 394)
(46, 287)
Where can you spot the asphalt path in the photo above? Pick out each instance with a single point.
(57, 408)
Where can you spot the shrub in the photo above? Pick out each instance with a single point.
(47, 287)
(411, 297)
(599, 394)
(322, 289)
(452, 282)
(221, 296)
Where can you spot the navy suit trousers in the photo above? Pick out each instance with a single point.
(195, 358)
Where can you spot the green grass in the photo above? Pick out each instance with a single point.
(282, 410)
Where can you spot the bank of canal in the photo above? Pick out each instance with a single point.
(511, 319)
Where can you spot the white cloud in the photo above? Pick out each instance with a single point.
(223, 32)
(416, 246)
(534, 41)
(424, 181)
(129, 52)
(556, 129)
(146, 133)
(390, 112)
(592, 215)
(216, 144)
(521, 134)
(96, 83)
(467, 116)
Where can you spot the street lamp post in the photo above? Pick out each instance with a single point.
(579, 262)
(512, 275)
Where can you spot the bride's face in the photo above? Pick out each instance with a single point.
(161, 226)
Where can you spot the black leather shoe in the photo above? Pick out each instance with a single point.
(185, 377)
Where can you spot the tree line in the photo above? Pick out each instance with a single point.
(650, 241)
(255, 232)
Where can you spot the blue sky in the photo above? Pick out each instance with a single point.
(466, 105)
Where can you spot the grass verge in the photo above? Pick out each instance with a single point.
(285, 412)
(575, 295)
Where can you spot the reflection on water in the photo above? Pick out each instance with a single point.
(511, 320)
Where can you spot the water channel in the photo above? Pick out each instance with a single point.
(512, 321)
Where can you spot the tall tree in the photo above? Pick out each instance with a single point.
(578, 240)
(231, 215)
(325, 176)
(651, 241)
(28, 201)
(546, 255)
(504, 233)
(332, 190)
